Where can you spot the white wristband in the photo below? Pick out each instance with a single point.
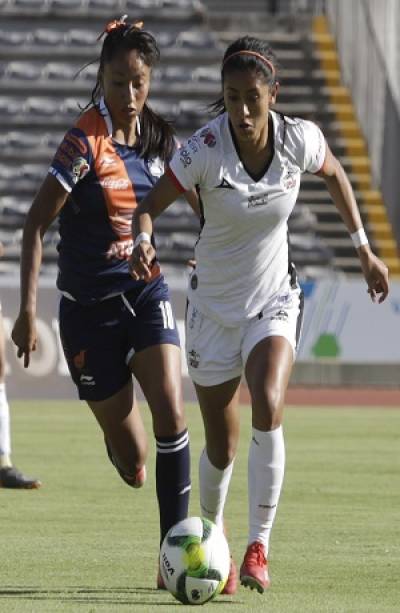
(359, 238)
(142, 237)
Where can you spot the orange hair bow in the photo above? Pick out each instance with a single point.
(119, 23)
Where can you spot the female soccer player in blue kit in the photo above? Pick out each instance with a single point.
(245, 303)
(112, 326)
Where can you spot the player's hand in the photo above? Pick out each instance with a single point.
(376, 275)
(25, 337)
(141, 261)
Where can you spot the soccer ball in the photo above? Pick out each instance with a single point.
(194, 560)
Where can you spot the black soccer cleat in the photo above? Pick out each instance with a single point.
(12, 478)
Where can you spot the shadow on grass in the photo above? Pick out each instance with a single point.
(126, 595)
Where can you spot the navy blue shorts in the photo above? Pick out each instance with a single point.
(99, 340)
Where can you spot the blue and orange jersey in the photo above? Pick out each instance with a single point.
(105, 181)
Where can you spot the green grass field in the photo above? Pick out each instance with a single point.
(86, 542)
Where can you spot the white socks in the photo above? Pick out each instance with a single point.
(214, 484)
(5, 438)
(266, 466)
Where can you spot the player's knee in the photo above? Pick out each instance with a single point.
(268, 406)
(222, 456)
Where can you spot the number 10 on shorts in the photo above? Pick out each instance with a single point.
(168, 318)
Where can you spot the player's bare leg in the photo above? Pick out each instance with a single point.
(219, 407)
(268, 370)
(124, 434)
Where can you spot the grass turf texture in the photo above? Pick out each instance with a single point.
(87, 543)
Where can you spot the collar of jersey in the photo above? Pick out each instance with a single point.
(107, 117)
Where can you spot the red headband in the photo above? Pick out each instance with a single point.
(255, 54)
(119, 23)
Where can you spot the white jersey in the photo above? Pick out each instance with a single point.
(242, 253)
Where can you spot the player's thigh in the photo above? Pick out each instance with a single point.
(212, 350)
(219, 409)
(158, 371)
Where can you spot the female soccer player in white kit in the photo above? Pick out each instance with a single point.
(244, 300)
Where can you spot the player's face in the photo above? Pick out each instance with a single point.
(125, 83)
(247, 99)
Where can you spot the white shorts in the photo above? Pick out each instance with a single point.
(217, 353)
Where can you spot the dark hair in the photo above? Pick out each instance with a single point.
(156, 137)
(256, 55)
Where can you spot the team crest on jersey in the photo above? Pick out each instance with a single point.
(156, 167)
(257, 200)
(289, 178)
(80, 168)
(208, 137)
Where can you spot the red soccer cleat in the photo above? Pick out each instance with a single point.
(231, 583)
(254, 569)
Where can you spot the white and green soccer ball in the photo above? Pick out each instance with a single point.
(194, 560)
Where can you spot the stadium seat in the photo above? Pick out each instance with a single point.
(102, 4)
(42, 106)
(82, 38)
(197, 39)
(45, 36)
(14, 38)
(59, 71)
(31, 4)
(207, 74)
(27, 71)
(10, 106)
(70, 5)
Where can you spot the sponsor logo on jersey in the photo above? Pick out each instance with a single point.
(117, 184)
(280, 315)
(79, 168)
(208, 137)
(107, 161)
(225, 184)
(257, 200)
(184, 157)
(121, 250)
(194, 358)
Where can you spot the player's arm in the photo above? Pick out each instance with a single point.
(164, 193)
(47, 204)
(339, 187)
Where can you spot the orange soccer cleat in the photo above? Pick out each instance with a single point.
(254, 568)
